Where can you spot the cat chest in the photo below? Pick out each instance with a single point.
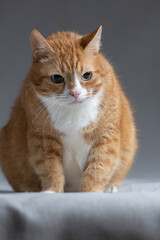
(75, 153)
(69, 121)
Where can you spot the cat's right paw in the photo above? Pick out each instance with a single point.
(111, 189)
(48, 191)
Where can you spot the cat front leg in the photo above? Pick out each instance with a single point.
(101, 164)
(45, 156)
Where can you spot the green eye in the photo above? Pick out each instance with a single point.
(87, 76)
(57, 79)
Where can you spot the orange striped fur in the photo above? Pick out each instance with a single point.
(36, 154)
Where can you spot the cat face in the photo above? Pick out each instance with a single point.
(65, 66)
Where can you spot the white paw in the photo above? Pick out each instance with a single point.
(48, 191)
(112, 189)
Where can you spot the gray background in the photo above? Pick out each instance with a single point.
(131, 41)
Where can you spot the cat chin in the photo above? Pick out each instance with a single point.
(76, 102)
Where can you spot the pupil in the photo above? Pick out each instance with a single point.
(57, 78)
(87, 75)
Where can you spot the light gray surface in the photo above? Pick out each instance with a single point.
(133, 213)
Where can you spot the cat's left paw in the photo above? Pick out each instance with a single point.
(111, 189)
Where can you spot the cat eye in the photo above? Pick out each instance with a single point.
(57, 79)
(86, 76)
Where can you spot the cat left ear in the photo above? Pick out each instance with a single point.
(91, 42)
(41, 48)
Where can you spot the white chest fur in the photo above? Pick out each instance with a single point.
(74, 157)
(70, 120)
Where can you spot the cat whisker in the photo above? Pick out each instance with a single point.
(45, 124)
(42, 108)
(109, 98)
(102, 114)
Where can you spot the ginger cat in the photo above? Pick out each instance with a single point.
(71, 128)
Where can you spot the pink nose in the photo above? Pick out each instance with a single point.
(75, 93)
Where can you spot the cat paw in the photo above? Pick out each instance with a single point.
(111, 189)
(48, 191)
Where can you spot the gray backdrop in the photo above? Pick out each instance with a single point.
(131, 41)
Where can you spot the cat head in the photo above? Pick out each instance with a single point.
(65, 66)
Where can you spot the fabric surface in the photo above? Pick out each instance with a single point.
(132, 213)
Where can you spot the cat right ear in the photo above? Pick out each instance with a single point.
(41, 48)
(91, 42)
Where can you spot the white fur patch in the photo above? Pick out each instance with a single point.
(78, 88)
(70, 119)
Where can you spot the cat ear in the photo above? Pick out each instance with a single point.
(41, 48)
(91, 42)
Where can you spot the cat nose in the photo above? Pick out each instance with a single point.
(75, 93)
